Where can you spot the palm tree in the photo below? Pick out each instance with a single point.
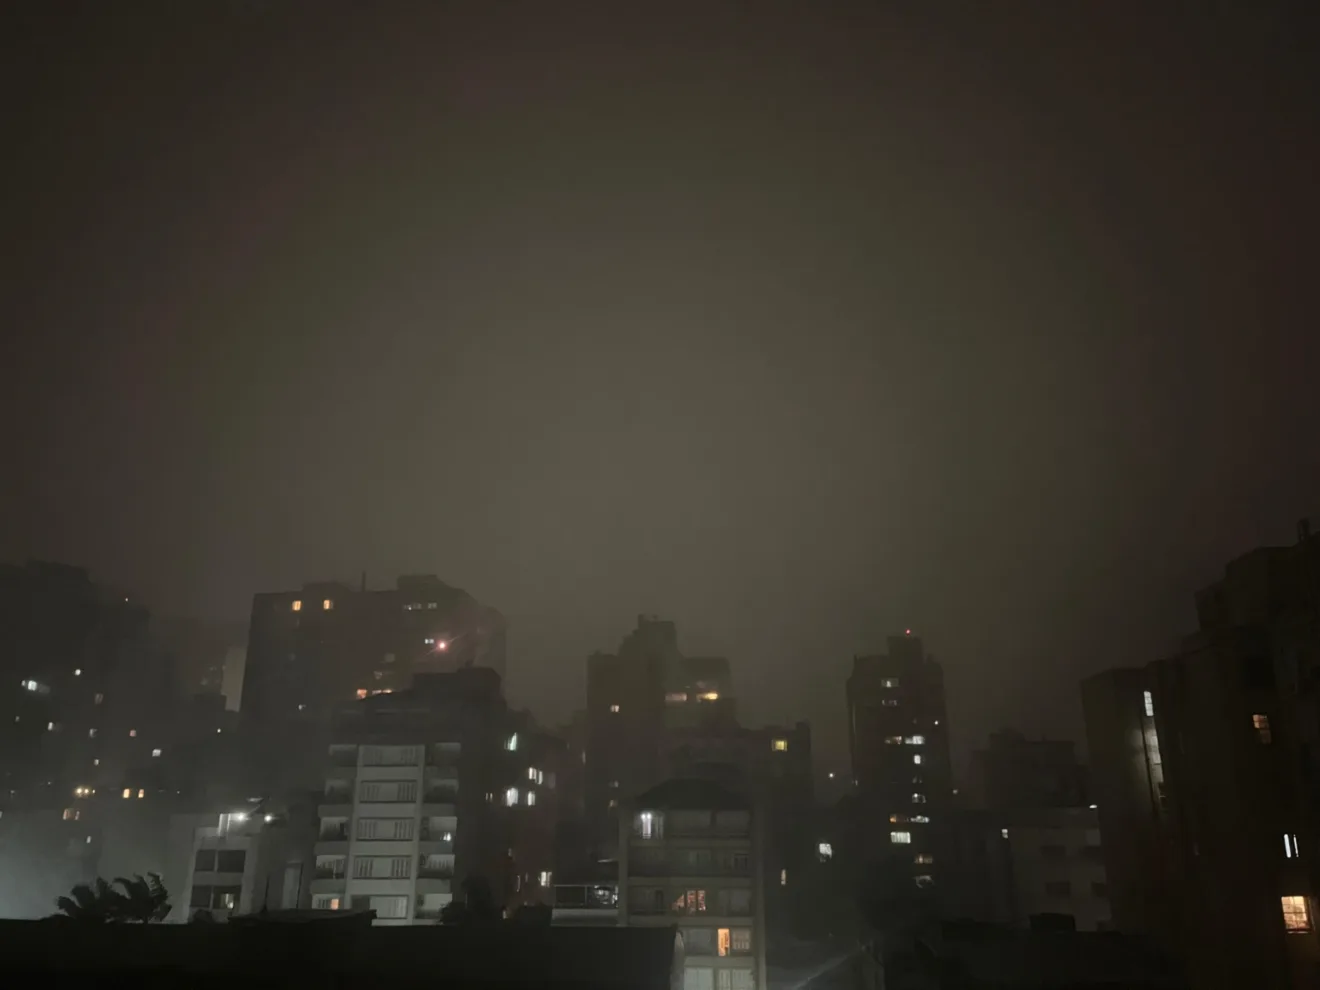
(144, 899)
(98, 902)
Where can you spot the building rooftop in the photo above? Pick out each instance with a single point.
(691, 792)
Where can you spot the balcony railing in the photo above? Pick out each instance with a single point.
(673, 866)
(337, 797)
(334, 833)
(440, 795)
(604, 896)
(330, 872)
(427, 914)
(434, 872)
(342, 758)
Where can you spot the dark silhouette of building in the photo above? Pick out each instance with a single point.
(899, 744)
(310, 650)
(1204, 770)
(1014, 773)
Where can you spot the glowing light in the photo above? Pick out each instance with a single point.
(77, 672)
(442, 645)
(907, 632)
(297, 606)
(327, 605)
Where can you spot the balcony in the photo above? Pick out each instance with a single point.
(440, 795)
(428, 914)
(344, 757)
(333, 833)
(433, 872)
(585, 904)
(330, 872)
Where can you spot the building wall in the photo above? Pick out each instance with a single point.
(1057, 867)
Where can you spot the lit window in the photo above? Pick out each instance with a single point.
(900, 838)
(889, 702)
(50, 726)
(918, 799)
(141, 793)
(824, 851)
(920, 820)
(545, 878)
(1290, 846)
(431, 605)
(893, 740)
(1261, 723)
(531, 773)
(511, 744)
(898, 819)
(429, 641)
(923, 859)
(132, 733)
(676, 697)
(81, 791)
(647, 825)
(724, 942)
(780, 745)
(614, 803)
(511, 797)
(1296, 913)
(924, 880)
(783, 878)
(889, 682)
(96, 762)
(71, 814)
(327, 605)
(98, 698)
(709, 696)
(128, 792)
(361, 693)
(614, 709)
(77, 672)
(155, 752)
(297, 605)
(1003, 833)
(915, 740)
(531, 798)
(916, 758)
(1148, 703)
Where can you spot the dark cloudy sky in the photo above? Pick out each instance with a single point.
(797, 323)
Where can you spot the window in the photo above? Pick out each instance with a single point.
(361, 693)
(531, 798)
(327, 605)
(923, 859)
(388, 791)
(824, 851)
(98, 698)
(1148, 703)
(689, 902)
(709, 696)
(77, 672)
(915, 740)
(204, 861)
(893, 740)
(370, 829)
(779, 745)
(226, 898)
(1058, 888)
(132, 733)
(614, 709)
(141, 793)
(649, 825)
(91, 733)
(1261, 723)
(916, 759)
(741, 940)
(325, 902)
(1296, 913)
(1003, 833)
(511, 797)
(723, 942)
(900, 838)
(924, 880)
(1290, 846)
(614, 802)
(545, 878)
(889, 702)
(71, 814)
(382, 867)
(918, 799)
(297, 605)
(614, 785)
(889, 682)
(698, 978)
(230, 860)
(676, 697)
(128, 792)
(783, 878)
(920, 820)
(155, 753)
(511, 744)
(389, 907)
(738, 902)
(201, 897)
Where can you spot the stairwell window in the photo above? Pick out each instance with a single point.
(1148, 703)
(1296, 913)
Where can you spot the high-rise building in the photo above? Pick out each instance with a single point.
(689, 851)
(899, 743)
(1016, 773)
(427, 787)
(311, 649)
(1205, 774)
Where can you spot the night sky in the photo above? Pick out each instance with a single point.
(795, 323)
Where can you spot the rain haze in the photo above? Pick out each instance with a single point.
(798, 324)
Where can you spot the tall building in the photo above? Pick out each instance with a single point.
(689, 851)
(1013, 773)
(427, 787)
(899, 743)
(1205, 772)
(311, 649)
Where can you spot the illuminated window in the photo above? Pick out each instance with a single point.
(361, 693)
(1296, 913)
(511, 744)
(889, 702)
(709, 696)
(889, 682)
(824, 851)
(900, 838)
(783, 878)
(98, 698)
(724, 942)
(614, 785)
(1290, 846)
(50, 726)
(915, 740)
(614, 802)
(545, 878)
(132, 733)
(924, 880)
(511, 797)
(690, 902)
(916, 758)
(779, 745)
(923, 859)
(614, 709)
(676, 697)
(128, 792)
(531, 773)
(77, 672)
(297, 605)
(141, 793)
(898, 819)
(648, 825)
(893, 740)
(71, 814)
(91, 733)
(920, 820)
(1261, 723)
(1003, 833)
(327, 605)
(531, 798)
(1148, 703)
(918, 799)
(155, 752)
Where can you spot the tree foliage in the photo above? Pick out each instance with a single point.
(139, 900)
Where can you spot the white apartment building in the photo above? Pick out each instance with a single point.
(690, 855)
(389, 824)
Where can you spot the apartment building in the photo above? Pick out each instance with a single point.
(689, 855)
(426, 787)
